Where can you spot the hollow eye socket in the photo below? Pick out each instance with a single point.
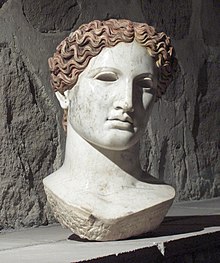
(145, 84)
(106, 76)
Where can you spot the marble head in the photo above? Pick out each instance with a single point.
(107, 74)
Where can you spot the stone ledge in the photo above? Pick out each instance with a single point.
(203, 245)
(184, 236)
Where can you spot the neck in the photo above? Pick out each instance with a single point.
(92, 163)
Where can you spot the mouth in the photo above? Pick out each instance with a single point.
(125, 119)
(121, 122)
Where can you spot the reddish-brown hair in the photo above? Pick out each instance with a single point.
(74, 52)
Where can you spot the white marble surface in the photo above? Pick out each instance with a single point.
(101, 191)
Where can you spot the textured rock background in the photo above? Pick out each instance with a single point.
(182, 141)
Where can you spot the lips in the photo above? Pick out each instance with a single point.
(121, 118)
(121, 122)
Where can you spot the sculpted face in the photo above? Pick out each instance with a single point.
(113, 98)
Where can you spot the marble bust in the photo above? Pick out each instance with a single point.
(107, 76)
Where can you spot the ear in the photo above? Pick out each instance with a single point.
(63, 99)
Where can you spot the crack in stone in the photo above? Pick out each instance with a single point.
(2, 2)
(162, 158)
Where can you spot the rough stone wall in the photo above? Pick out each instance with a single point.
(182, 141)
(181, 144)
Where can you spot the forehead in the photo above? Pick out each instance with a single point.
(130, 58)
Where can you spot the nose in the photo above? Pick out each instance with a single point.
(125, 95)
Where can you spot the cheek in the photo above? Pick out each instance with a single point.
(81, 99)
(147, 101)
(87, 108)
(144, 109)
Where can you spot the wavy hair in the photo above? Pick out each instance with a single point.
(75, 51)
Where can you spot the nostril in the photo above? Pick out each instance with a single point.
(117, 108)
(117, 105)
(123, 105)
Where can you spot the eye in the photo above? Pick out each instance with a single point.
(145, 84)
(106, 76)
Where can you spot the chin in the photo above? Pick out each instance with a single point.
(117, 143)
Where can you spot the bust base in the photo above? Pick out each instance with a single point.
(93, 226)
